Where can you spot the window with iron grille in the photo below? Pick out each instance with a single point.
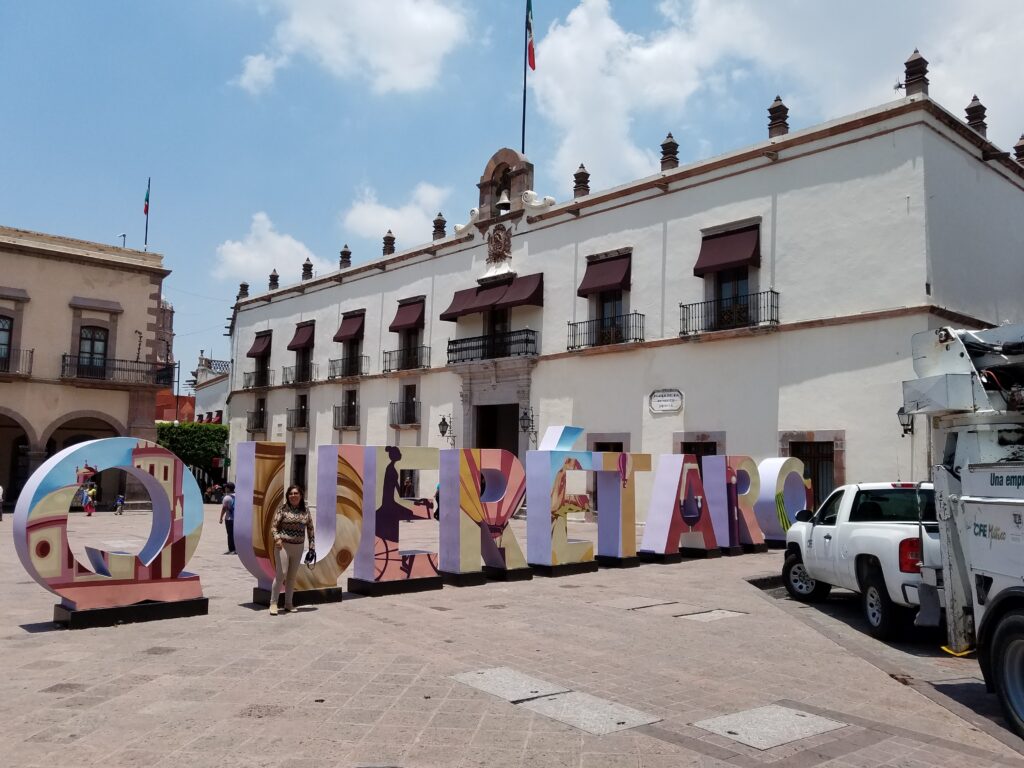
(819, 466)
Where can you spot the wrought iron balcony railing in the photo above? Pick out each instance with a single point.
(258, 379)
(220, 366)
(407, 359)
(749, 311)
(298, 418)
(346, 367)
(346, 416)
(300, 374)
(256, 421)
(16, 362)
(404, 413)
(118, 371)
(619, 329)
(509, 344)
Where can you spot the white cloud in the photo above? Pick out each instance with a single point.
(595, 79)
(411, 223)
(398, 46)
(258, 72)
(262, 250)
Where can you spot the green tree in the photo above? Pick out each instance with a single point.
(194, 443)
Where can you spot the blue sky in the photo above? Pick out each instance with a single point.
(277, 129)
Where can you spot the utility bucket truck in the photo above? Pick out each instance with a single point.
(971, 386)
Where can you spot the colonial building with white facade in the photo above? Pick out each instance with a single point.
(760, 302)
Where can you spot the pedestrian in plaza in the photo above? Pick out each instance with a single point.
(119, 504)
(407, 488)
(227, 515)
(292, 523)
(90, 501)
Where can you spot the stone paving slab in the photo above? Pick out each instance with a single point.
(508, 684)
(767, 727)
(589, 713)
(706, 616)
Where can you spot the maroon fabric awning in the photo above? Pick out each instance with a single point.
(739, 248)
(460, 301)
(525, 290)
(351, 326)
(303, 338)
(261, 346)
(606, 275)
(409, 315)
(486, 297)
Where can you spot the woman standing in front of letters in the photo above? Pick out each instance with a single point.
(292, 523)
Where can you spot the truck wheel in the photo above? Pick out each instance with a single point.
(1008, 668)
(881, 614)
(799, 584)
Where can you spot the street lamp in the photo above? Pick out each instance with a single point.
(906, 421)
(446, 428)
(526, 424)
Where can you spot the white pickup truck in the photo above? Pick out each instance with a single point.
(866, 538)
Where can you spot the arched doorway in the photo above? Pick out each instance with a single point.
(14, 458)
(78, 430)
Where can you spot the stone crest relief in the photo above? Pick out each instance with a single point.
(499, 245)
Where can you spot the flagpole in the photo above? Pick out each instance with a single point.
(145, 242)
(526, 44)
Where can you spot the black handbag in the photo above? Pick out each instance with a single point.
(310, 557)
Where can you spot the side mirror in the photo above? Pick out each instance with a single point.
(804, 516)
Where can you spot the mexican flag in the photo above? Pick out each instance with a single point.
(145, 205)
(530, 57)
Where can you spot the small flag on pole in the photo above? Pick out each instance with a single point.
(530, 56)
(145, 205)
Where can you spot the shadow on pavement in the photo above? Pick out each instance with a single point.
(42, 626)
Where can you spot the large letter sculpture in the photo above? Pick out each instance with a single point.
(783, 494)
(259, 493)
(616, 513)
(732, 484)
(380, 566)
(548, 504)
(475, 525)
(678, 513)
(153, 582)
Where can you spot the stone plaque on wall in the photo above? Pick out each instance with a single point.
(665, 401)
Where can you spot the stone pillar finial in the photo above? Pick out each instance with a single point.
(1018, 150)
(976, 116)
(389, 243)
(778, 119)
(669, 153)
(307, 269)
(344, 257)
(915, 74)
(243, 291)
(439, 223)
(275, 281)
(582, 182)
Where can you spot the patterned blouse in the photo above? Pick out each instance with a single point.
(290, 524)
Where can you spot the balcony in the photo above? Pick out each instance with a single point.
(620, 329)
(299, 374)
(258, 379)
(404, 414)
(347, 367)
(407, 359)
(93, 367)
(298, 419)
(509, 344)
(346, 416)
(256, 421)
(750, 311)
(16, 362)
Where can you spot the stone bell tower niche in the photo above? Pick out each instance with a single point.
(507, 172)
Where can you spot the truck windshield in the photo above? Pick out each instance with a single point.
(893, 505)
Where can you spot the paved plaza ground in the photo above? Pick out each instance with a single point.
(369, 682)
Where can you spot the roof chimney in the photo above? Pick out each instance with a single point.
(389, 243)
(274, 281)
(307, 269)
(582, 179)
(243, 291)
(439, 223)
(345, 257)
(1018, 150)
(915, 75)
(976, 116)
(669, 153)
(778, 123)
